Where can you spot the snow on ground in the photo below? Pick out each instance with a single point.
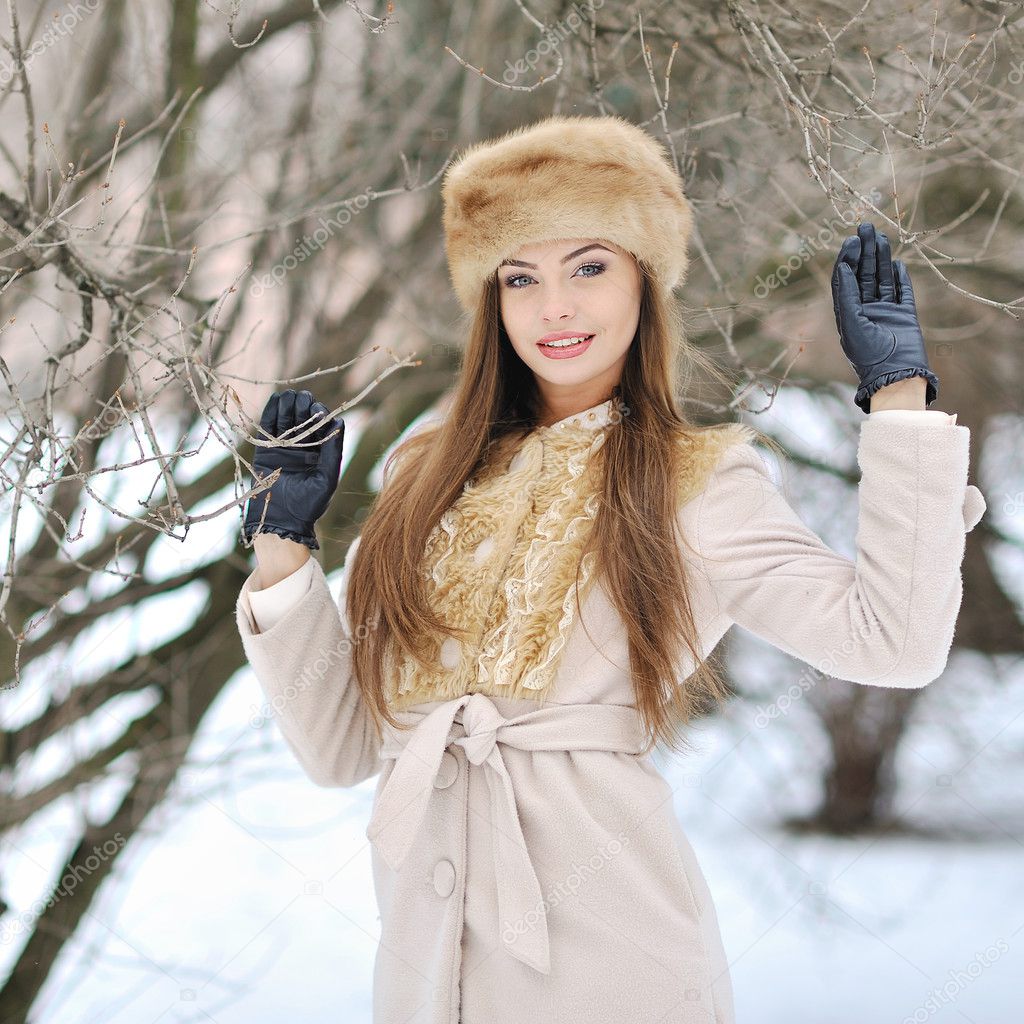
(251, 898)
(884, 928)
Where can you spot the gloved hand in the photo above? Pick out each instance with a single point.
(309, 475)
(876, 316)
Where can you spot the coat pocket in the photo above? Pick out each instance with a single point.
(694, 886)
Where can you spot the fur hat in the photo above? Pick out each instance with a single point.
(564, 177)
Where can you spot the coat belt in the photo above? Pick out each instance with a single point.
(402, 803)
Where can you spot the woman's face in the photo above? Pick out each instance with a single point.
(579, 287)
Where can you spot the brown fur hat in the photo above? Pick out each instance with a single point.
(564, 177)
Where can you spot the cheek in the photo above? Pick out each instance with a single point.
(507, 306)
(507, 318)
(512, 317)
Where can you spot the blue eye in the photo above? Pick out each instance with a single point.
(599, 267)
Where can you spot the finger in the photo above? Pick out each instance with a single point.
(268, 421)
(849, 251)
(331, 450)
(849, 254)
(867, 271)
(848, 290)
(886, 283)
(319, 411)
(303, 402)
(906, 288)
(286, 412)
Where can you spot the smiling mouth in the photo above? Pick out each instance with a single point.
(566, 342)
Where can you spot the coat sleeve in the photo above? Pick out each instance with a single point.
(885, 619)
(271, 603)
(303, 663)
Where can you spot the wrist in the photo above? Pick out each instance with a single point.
(277, 557)
(901, 394)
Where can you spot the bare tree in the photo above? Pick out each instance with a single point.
(264, 212)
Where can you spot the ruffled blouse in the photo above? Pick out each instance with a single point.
(503, 561)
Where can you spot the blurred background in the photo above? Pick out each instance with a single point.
(202, 203)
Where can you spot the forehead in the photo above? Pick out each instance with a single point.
(538, 252)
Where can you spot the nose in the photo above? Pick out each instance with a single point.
(556, 304)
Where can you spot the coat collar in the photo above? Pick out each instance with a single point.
(594, 418)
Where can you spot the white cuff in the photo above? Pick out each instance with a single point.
(923, 416)
(273, 603)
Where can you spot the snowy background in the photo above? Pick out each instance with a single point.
(249, 897)
(251, 900)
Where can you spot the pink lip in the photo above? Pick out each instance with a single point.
(559, 335)
(566, 353)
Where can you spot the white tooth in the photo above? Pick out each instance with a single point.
(563, 342)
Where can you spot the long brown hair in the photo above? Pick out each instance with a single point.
(635, 533)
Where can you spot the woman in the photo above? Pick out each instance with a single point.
(537, 590)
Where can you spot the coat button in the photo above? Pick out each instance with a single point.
(483, 549)
(444, 878)
(447, 771)
(451, 652)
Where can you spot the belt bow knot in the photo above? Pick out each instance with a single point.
(481, 720)
(402, 802)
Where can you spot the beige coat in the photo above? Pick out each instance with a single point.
(527, 860)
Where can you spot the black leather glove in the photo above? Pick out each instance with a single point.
(876, 316)
(309, 475)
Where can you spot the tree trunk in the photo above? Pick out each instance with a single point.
(864, 725)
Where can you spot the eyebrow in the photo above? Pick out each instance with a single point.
(564, 259)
